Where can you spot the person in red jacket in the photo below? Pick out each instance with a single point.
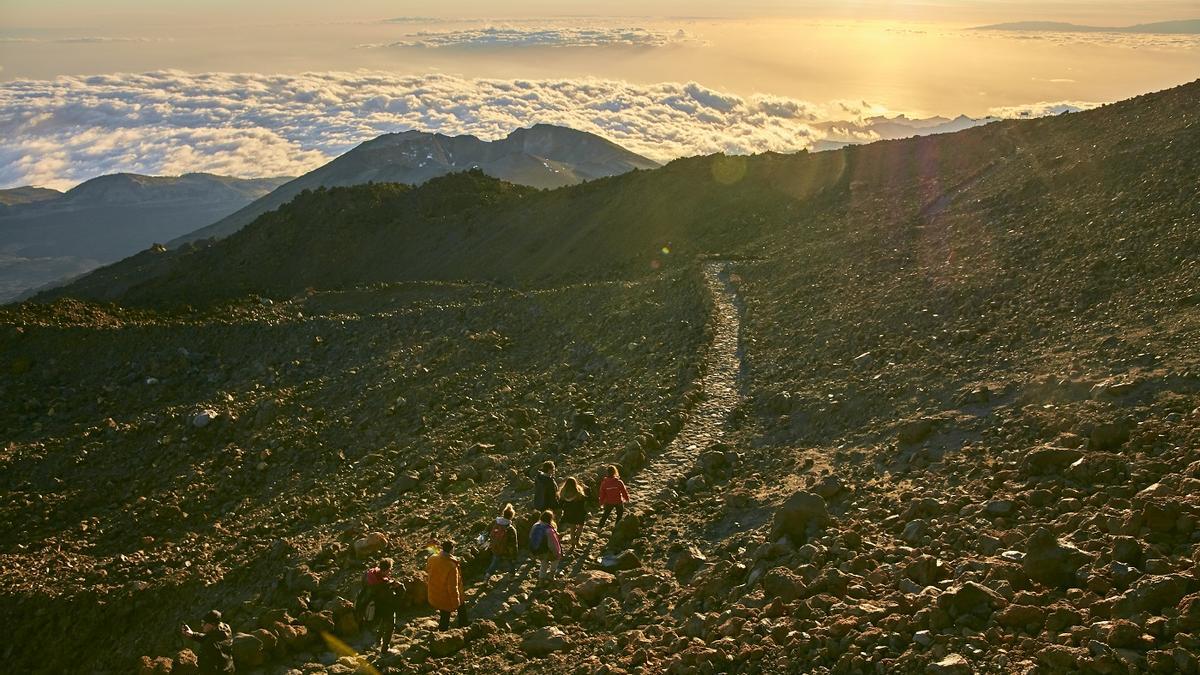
(613, 496)
(374, 580)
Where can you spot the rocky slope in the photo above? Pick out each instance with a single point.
(542, 156)
(920, 406)
(46, 235)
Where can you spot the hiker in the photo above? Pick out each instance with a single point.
(443, 577)
(375, 580)
(613, 495)
(215, 652)
(545, 489)
(573, 499)
(387, 600)
(502, 540)
(545, 546)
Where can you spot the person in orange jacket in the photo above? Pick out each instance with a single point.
(443, 578)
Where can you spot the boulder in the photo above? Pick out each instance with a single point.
(686, 562)
(953, 664)
(1022, 617)
(829, 487)
(970, 598)
(319, 623)
(625, 560)
(203, 418)
(1121, 633)
(1127, 550)
(915, 430)
(248, 651)
(186, 663)
(711, 461)
(1105, 437)
(1189, 613)
(591, 586)
(926, 570)
(1160, 515)
(406, 481)
(161, 665)
(1049, 460)
(625, 531)
(371, 544)
(1051, 562)
(545, 640)
(447, 643)
(914, 531)
(802, 515)
(1152, 593)
(782, 583)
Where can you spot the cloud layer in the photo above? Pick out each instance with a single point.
(59, 132)
(501, 36)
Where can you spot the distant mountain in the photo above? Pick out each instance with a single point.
(46, 235)
(543, 156)
(840, 134)
(27, 195)
(1183, 27)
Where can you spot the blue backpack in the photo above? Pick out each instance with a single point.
(539, 542)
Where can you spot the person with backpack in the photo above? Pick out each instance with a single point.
(374, 580)
(387, 605)
(214, 653)
(545, 489)
(443, 579)
(544, 545)
(573, 500)
(613, 496)
(502, 540)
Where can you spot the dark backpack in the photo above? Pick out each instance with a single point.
(539, 542)
(545, 492)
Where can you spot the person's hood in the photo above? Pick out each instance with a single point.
(501, 520)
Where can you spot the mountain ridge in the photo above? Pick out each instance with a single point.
(1178, 27)
(543, 156)
(60, 235)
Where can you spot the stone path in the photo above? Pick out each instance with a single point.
(706, 423)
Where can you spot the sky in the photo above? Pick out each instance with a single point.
(278, 88)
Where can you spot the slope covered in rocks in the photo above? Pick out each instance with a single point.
(958, 431)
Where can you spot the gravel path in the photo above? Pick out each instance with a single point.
(719, 386)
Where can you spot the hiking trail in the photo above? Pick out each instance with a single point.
(705, 425)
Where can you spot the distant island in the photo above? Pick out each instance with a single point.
(1183, 27)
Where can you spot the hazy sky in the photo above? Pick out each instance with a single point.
(135, 13)
(278, 87)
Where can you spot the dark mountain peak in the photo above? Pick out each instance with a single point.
(27, 194)
(133, 188)
(542, 156)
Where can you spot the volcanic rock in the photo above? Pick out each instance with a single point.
(802, 515)
(1051, 562)
(545, 640)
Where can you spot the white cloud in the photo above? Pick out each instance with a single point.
(511, 36)
(1158, 41)
(60, 132)
(1041, 109)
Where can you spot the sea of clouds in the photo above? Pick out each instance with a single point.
(60, 132)
(514, 36)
